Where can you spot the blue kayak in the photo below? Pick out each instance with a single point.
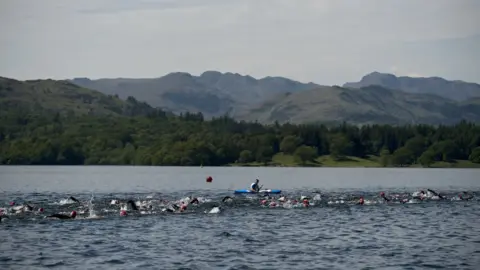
(272, 191)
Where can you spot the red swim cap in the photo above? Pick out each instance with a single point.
(40, 210)
(209, 179)
(382, 194)
(12, 203)
(263, 202)
(123, 213)
(73, 214)
(306, 203)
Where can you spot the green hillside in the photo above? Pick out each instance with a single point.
(63, 97)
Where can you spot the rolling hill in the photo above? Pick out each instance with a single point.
(63, 97)
(212, 93)
(368, 105)
(455, 90)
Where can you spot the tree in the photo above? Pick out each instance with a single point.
(416, 145)
(245, 156)
(154, 137)
(305, 153)
(264, 154)
(427, 158)
(339, 146)
(475, 155)
(289, 144)
(444, 150)
(402, 156)
(385, 157)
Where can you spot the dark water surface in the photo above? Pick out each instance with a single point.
(333, 233)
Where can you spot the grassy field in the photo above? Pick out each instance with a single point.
(282, 160)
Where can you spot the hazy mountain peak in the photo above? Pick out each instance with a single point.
(180, 91)
(179, 75)
(211, 73)
(456, 90)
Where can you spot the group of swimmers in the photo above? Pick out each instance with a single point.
(129, 206)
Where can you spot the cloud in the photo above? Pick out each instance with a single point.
(327, 41)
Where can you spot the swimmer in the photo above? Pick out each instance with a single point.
(74, 199)
(382, 195)
(306, 203)
(420, 195)
(436, 194)
(361, 201)
(194, 201)
(227, 199)
(62, 216)
(183, 207)
(22, 208)
(465, 196)
(130, 204)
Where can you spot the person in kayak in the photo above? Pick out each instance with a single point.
(254, 186)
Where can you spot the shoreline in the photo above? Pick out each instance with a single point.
(453, 166)
(288, 161)
(282, 160)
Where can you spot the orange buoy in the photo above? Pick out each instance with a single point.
(209, 179)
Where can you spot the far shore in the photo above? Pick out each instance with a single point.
(281, 160)
(288, 161)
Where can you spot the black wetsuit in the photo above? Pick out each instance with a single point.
(60, 216)
(132, 204)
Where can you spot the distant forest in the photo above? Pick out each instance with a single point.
(159, 138)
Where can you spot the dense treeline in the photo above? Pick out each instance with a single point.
(162, 139)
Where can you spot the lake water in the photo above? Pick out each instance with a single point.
(334, 232)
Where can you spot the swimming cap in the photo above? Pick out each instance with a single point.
(73, 214)
(40, 210)
(306, 202)
(123, 213)
(382, 194)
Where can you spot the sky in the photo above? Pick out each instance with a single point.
(323, 41)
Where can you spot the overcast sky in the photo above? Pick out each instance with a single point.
(323, 41)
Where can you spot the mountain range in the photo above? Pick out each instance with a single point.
(376, 98)
(456, 90)
(212, 93)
